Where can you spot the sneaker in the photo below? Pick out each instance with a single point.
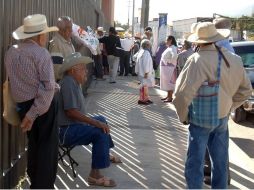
(112, 82)
(142, 103)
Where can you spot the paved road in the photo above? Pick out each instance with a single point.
(150, 141)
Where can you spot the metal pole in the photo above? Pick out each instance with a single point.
(133, 14)
(144, 13)
(129, 14)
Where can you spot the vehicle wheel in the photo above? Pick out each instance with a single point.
(238, 115)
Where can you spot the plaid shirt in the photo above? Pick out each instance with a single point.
(30, 71)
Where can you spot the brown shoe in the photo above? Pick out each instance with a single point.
(103, 181)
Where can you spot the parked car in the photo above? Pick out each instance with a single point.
(245, 49)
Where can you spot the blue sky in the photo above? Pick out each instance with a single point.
(183, 9)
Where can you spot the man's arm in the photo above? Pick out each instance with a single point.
(74, 114)
(243, 92)
(45, 93)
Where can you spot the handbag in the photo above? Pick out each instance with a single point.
(10, 113)
(204, 108)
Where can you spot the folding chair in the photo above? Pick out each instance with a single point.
(66, 151)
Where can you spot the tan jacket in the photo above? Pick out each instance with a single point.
(235, 86)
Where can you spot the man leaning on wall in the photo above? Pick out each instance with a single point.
(30, 71)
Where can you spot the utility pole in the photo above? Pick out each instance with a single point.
(144, 13)
(133, 16)
(129, 1)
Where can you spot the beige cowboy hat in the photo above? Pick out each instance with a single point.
(100, 29)
(207, 33)
(33, 25)
(72, 60)
(222, 23)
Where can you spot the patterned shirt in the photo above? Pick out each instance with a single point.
(30, 71)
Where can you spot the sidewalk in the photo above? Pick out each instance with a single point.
(149, 139)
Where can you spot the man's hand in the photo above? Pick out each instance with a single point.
(26, 124)
(104, 127)
(146, 75)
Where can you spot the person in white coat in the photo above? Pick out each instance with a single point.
(144, 69)
(168, 68)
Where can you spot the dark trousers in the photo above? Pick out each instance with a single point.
(105, 63)
(98, 66)
(42, 147)
(125, 63)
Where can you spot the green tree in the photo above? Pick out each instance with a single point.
(243, 23)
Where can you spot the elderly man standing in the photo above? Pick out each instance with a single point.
(30, 71)
(220, 23)
(78, 129)
(205, 92)
(61, 46)
(126, 43)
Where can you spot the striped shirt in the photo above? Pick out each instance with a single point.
(30, 71)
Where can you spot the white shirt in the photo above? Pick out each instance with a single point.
(144, 63)
(127, 43)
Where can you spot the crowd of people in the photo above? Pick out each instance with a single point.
(199, 80)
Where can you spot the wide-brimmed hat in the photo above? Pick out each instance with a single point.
(193, 27)
(100, 29)
(207, 33)
(33, 25)
(72, 60)
(222, 23)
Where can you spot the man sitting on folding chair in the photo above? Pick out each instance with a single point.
(78, 129)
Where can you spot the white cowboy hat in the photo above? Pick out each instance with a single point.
(72, 60)
(100, 29)
(207, 33)
(193, 27)
(33, 25)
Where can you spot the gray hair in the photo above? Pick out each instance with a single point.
(62, 22)
(145, 43)
(187, 44)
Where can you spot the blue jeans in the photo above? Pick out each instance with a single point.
(216, 139)
(84, 134)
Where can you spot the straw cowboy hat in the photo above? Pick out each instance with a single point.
(100, 29)
(193, 27)
(222, 23)
(207, 33)
(72, 60)
(33, 25)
